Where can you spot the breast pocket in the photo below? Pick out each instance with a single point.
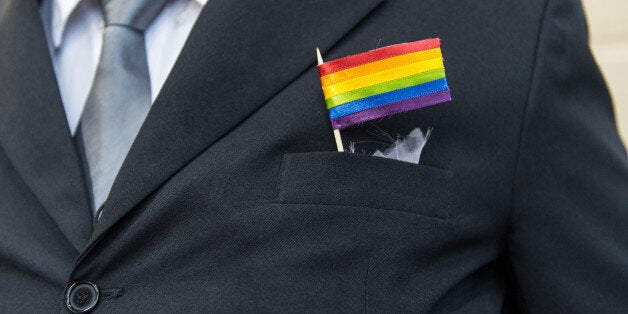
(332, 178)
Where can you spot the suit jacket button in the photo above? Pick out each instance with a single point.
(81, 297)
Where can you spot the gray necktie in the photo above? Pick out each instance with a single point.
(120, 96)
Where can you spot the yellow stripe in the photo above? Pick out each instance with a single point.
(378, 66)
(383, 76)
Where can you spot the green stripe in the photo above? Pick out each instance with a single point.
(419, 78)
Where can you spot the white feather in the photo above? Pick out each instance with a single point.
(408, 149)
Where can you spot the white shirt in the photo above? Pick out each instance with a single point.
(74, 29)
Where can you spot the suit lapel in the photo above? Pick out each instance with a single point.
(239, 54)
(33, 128)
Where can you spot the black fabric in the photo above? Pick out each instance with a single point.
(232, 198)
(33, 130)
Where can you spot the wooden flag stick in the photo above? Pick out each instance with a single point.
(336, 132)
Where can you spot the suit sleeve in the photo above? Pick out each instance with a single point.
(568, 240)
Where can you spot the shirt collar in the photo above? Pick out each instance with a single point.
(61, 11)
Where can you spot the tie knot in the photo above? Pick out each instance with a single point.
(137, 14)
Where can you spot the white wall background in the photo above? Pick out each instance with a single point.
(608, 26)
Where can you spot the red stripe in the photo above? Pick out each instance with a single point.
(376, 55)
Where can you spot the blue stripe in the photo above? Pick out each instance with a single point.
(387, 98)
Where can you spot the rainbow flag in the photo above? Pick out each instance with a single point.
(384, 82)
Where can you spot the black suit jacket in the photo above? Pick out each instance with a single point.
(233, 199)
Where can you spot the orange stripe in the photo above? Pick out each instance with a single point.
(383, 76)
(379, 66)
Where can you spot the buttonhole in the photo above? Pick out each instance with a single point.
(111, 293)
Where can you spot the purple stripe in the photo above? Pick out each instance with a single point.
(390, 109)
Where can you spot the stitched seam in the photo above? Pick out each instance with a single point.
(111, 293)
(525, 112)
(280, 181)
(434, 217)
(366, 277)
(398, 163)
